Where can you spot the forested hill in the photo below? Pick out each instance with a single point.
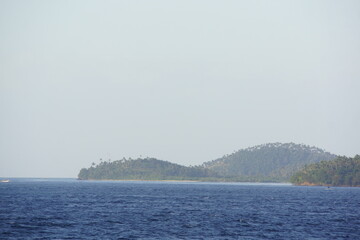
(142, 169)
(342, 171)
(273, 162)
(267, 162)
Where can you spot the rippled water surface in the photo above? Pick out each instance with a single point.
(71, 209)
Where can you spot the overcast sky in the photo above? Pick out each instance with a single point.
(183, 81)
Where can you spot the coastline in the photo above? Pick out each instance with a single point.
(138, 180)
(309, 184)
(190, 181)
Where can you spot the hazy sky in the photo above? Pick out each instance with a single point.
(183, 81)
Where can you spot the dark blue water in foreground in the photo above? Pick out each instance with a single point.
(71, 209)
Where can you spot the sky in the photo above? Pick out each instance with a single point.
(182, 81)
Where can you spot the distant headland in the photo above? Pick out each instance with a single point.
(272, 162)
(342, 171)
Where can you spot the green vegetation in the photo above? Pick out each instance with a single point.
(342, 171)
(273, 162)
(142, 169)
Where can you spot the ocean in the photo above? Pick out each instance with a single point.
(72, 209)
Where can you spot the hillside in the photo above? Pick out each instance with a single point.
(142, 169)
(267, 162)
(341, 171)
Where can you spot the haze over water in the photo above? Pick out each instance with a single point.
(181, 81)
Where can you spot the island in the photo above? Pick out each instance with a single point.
(271, 162)
(142, 169)
(342, 171)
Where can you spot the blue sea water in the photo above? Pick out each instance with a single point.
(71, 209)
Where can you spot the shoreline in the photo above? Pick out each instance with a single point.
(309, 184)
(138, 180)
(185, 181)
